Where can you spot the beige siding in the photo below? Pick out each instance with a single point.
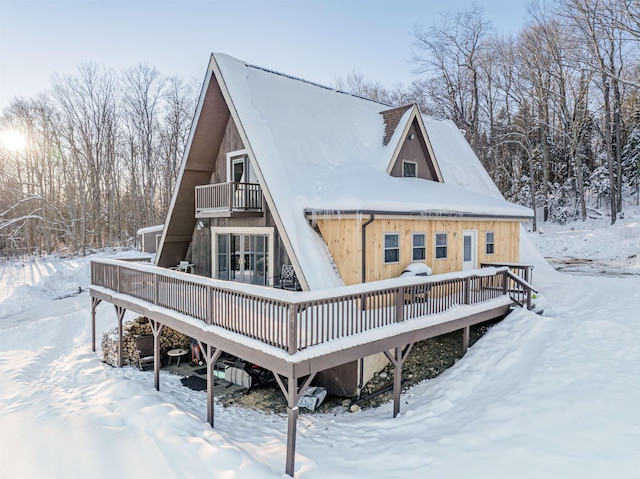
(343, 240)
(342, 237)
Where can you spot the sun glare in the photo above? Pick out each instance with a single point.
(13, 140)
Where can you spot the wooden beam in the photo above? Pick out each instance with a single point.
(178, 238)
(199, 166)
(293, 393)
(211, 355)
(120, 313)
(465, 338)
(94, 304)
(156, 329)
(336, 358)
(398, 359)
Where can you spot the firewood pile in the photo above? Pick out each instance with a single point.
(169, 339)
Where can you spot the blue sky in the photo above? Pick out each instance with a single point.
(318, 40)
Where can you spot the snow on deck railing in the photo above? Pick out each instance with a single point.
(296, 320)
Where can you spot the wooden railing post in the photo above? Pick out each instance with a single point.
(293, 328)
(118, 277)
(209, 315)
(400, 304)
(231, 189)
(156, 289)
(505, 282)
(467, 290)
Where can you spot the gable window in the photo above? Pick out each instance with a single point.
(409, 169)
(419, 248)
(441, 245)
(490, 246)
(391, 248)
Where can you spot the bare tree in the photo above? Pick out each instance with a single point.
(452, 51)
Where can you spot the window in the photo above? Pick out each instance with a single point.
(391, 248)
(490, 246)
(409, 169)
(419, 249)
(242, 254)
(441, 245)
(239, 169)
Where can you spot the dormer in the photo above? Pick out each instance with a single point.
(413, 155)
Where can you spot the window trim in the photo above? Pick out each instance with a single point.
(415, 163)
(385, 249)
(423, 247)
(487, 243)
(232, 155)
(437, 246)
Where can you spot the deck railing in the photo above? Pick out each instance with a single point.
(519, 282)
(524, 271)
(229, 197)
(294, 321)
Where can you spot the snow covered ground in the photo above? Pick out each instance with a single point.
(539, 396)
(593, 246)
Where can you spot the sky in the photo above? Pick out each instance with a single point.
(312, 39)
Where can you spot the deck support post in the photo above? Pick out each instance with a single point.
(397, 359)
(156, 329)
(211, 356)
(120, 313)
(292, 422)
(293, 393)
(94, 304)
(465, 339)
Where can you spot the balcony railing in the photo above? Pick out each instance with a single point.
(294, 321)
(227, 198)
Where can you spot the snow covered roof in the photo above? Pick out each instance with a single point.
(321, 150)
(150, 229)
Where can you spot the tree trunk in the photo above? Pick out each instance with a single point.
(607, 139)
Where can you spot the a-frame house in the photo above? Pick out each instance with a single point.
(286, 183)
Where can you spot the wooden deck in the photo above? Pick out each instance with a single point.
(298, 334)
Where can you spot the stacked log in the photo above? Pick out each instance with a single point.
(169, 339)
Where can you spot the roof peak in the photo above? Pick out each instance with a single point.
(303, 80)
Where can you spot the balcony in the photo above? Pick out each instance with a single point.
(229, 200)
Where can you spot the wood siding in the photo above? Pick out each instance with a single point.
(230, 142)
(415, 151)
(343, 238)
(200, 250)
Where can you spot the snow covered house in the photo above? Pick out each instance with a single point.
(287, 183)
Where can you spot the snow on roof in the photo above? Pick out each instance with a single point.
(150, 229)
(457, 160)
(320, 149)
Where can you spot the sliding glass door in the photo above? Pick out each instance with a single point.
(243, 258)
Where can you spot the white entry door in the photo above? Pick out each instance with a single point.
(469, 249)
